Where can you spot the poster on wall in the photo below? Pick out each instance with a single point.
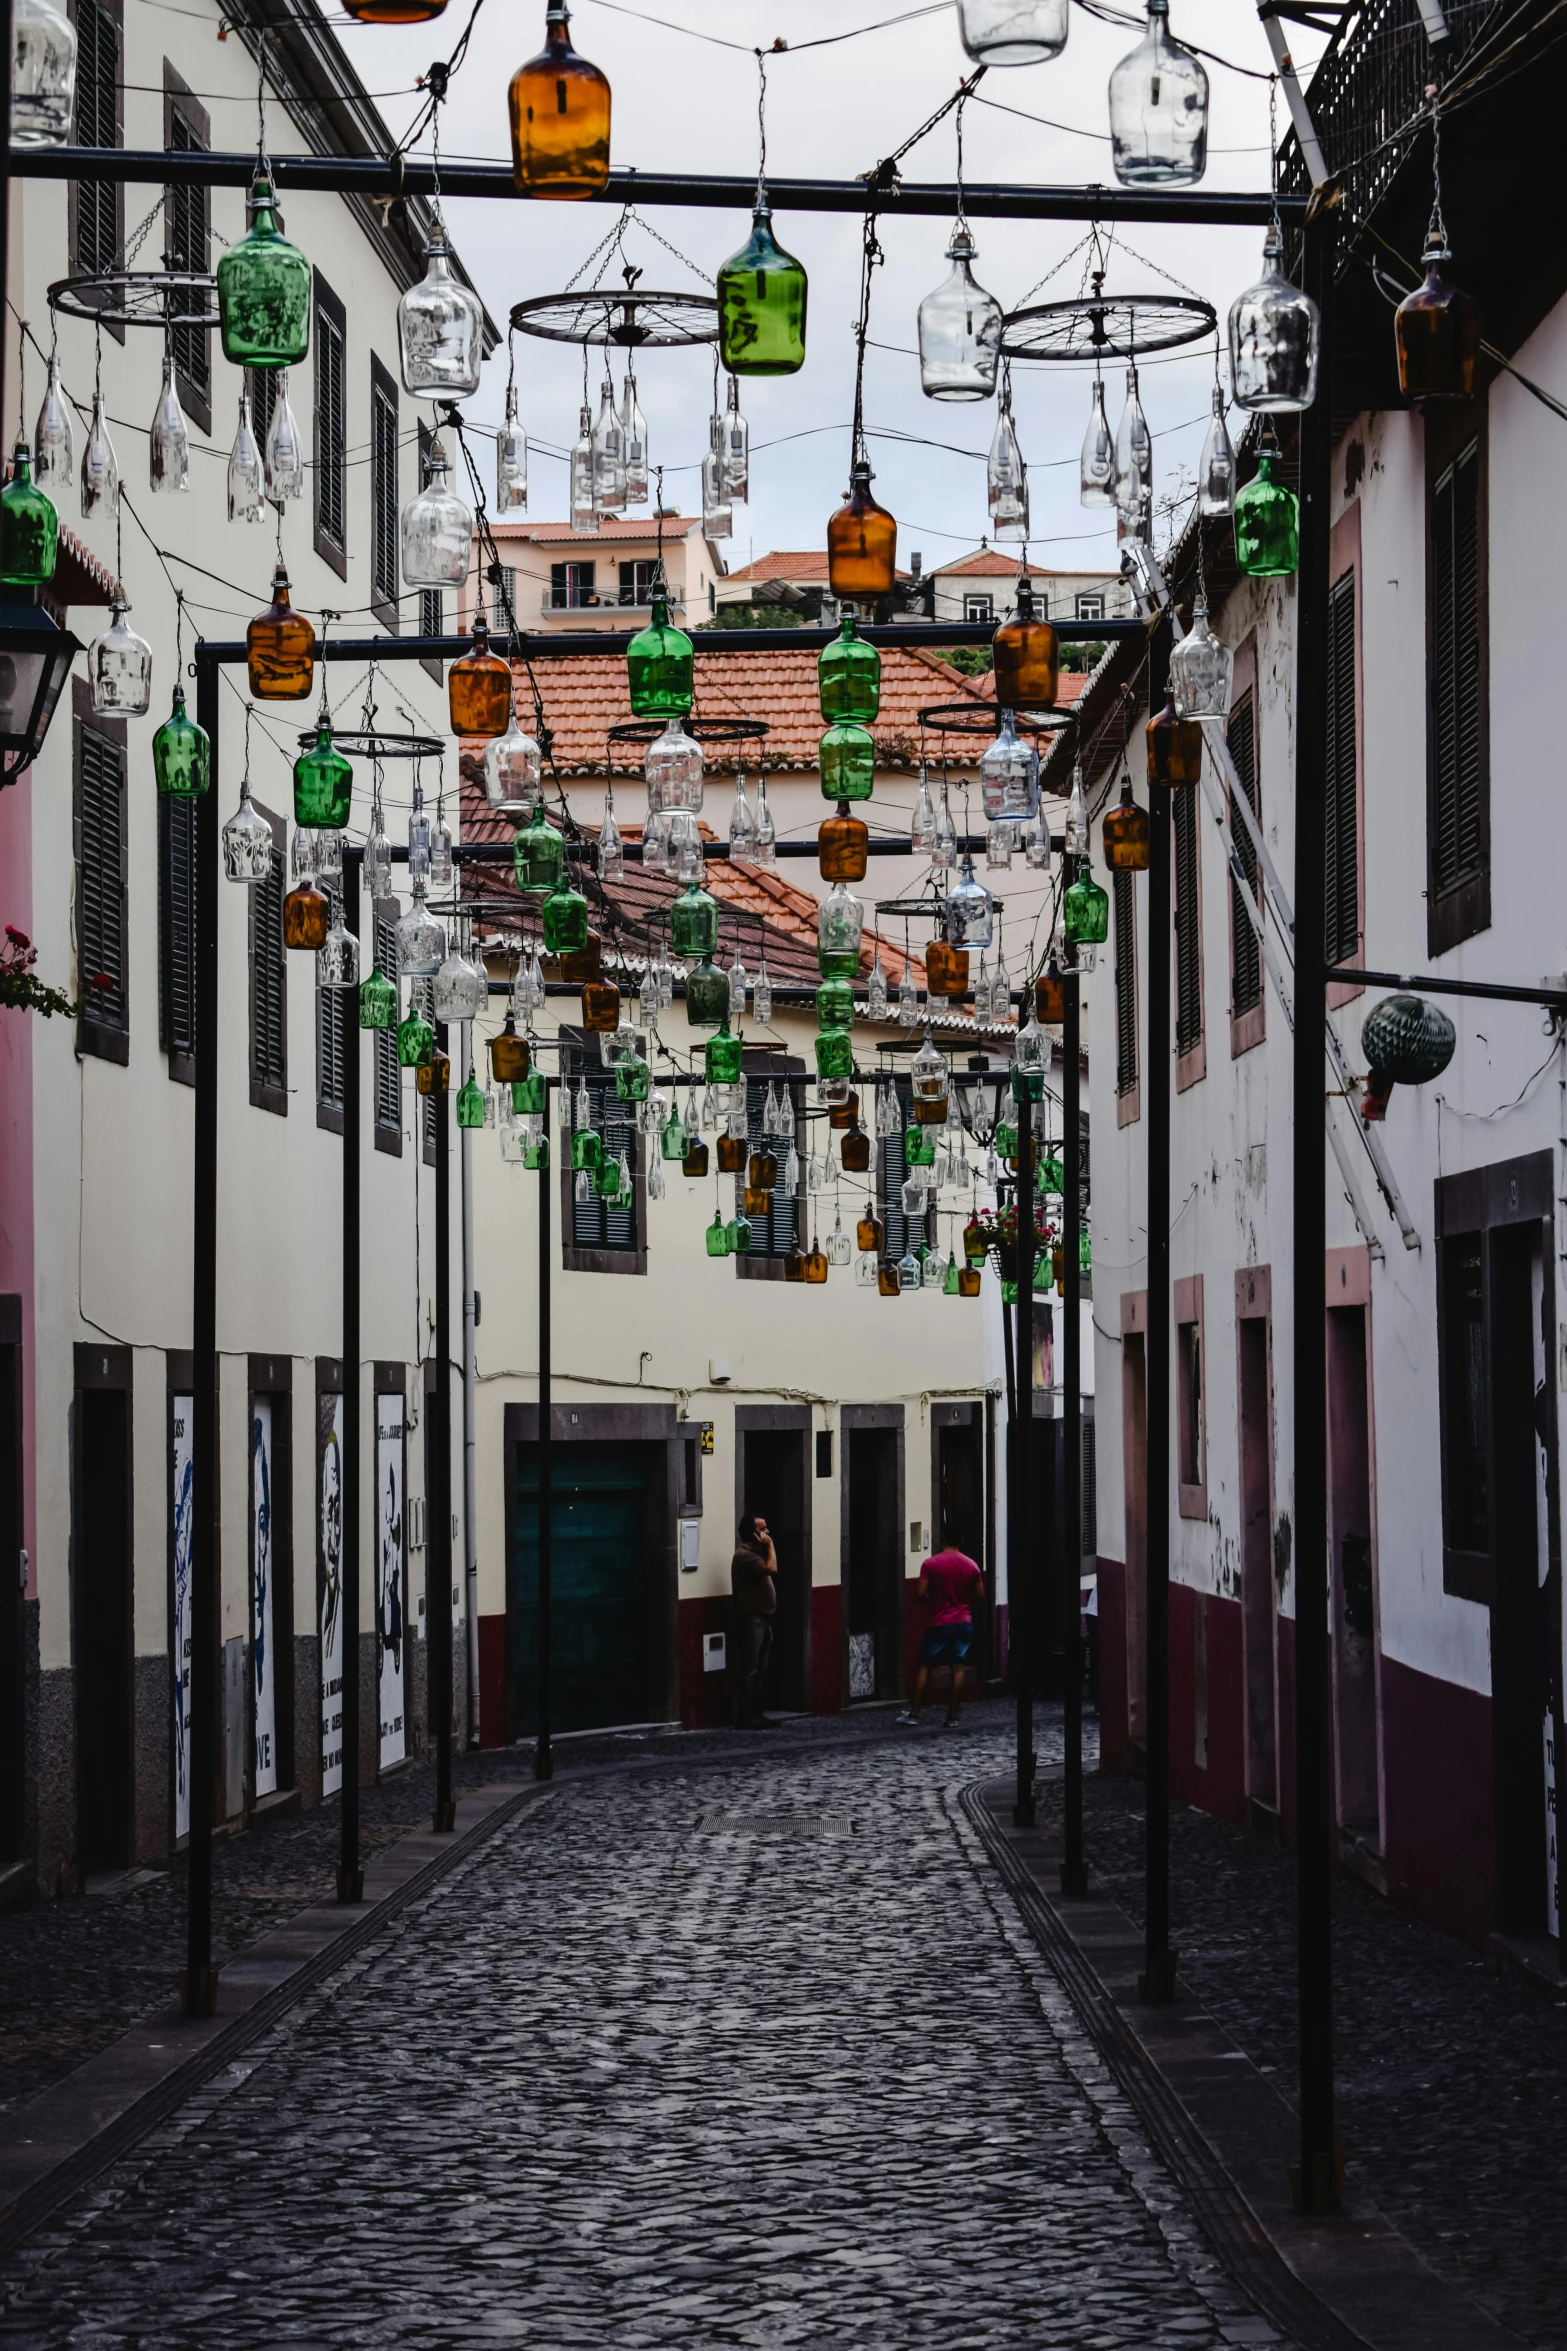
(329, 1539)
(262, 1648)
(390, 1593)
(180, 1522)
(1044, 1348)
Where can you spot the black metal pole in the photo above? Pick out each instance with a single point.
(5, 189)
(1074, 1871)
(543, 1755)
(1020, 1566)
(1318, 2191)
(1157, 1982)
(438, 1595)
(350, 1871)
(198, 1992)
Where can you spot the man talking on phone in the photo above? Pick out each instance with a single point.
(753, 1582)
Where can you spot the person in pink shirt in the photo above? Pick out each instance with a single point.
(949, 1583)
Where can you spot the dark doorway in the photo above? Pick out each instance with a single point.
(1521, 1639)
(873, 1568)
(12, 1608)
(774, 1489)
(1134, 1422)
(105, 1759)
(1353, 1597)
(1257, 1597)
(960, 1510)
(606, 1639)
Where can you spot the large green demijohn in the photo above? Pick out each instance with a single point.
(1267, 520)
(848, 675)
(761, 303)
(323, 783)
(693, 922)
(181, 755)
(722, 1058)
(846, 756)
(1085, 912)
(564, 920)
(29, 527)
(659, 663)
(264, 289)
(538, 857)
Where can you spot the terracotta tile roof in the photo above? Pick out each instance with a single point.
(808, 564)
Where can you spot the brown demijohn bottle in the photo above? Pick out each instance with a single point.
(968, 1281)
(763, 1174)
(816, 1263)
(280, 647)
(862, 544)
(478, 688)
(559, 117)
(434, 1075)
(305, 917)
(510, 1059)
(842, 1115)
(887, 1281)
(794, 1264)
(758, 1199)
(1026, 656)
(581, 964)
(1126, 834)
(854, 1152)
(1050, 996)
(731, 1154)
(695, 1160)
(1437, 331)
(1174, 748)
(600, 1006)
(868, 1234)
(931, 1114)
(842, 847)
(946, 969)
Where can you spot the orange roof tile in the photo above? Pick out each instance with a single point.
(809, 563)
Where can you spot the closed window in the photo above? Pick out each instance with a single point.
(383, 496)
(331, 343)
(1341, 811)
(636, 582)
(332, 1046)
(177, 935)
(903, 1233)
(1458, 828)
(388, 1078)
(1188, 923)
(1090, 606)
(97, 209)
(1124, 908)
(979, 608)
(269, 983)
(1245, 952)
(600, 1238)
(187, 130)
(1188, 1356)
(102, 950)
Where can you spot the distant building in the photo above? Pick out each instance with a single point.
(558, 577)
(979, 587)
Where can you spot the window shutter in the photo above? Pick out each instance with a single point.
(776, 1233)
(894, 1173)
(268, 986)
(1340, 813)
(97, 125)
(1456, 681)
(331, 428)
(263, 400)
(177, 928)
(100, 894)
(388, 1072)
(1245, 953)
(1188, 926)
(1125, 983)
(595, 1225)
(188, 250)
(331, 1046)
(383, 487)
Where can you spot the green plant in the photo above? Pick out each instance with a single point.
(752, 616)
(970, 661)
(20, 986)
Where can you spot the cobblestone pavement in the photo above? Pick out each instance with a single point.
(1451, 2067)
(750, 2054)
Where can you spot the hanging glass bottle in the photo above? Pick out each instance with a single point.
(323, 782)
(263, 288)
(280, 646)
(1159, 110)
(418, 837)
(1025, 655)
(442, 870)
(119, 665)
(246, 484)
(1096, 468)
(436, 531)
(584, 513)
(1436, 329)
(876, 988)
(761, 303)
(1216, 467)
(462, 987)
(922, 823)
(862, 543)
(1201, 670)
(285, 454)
(513, 765)
(247, 841)
(421, 940)
(1133, 451)
(100, 468)
(478, 688)
(742, 825)
(766, 850)
(1267, 518)
(659, 662)
(1000, 841)
(440, 327)
(739, 983)
(394, 11)
(944, 836)
(848, 675)
(563, 920)
(560, 109)
(717, 516)
(378, 854)
(846, 757)
(959, 330)
(693, 925)
(337, 957)
(511, 461)
(840, 923)
(43, 75)
(707, 995)
(1125, 834)
(1009, 775)
(54, 457)
(970, 910)
(1173, 747)
(1012, 32)
(1006, 478)
(29, 527)
(633, 428)
(609, 453)
(415, 1040)
(675, 769)
(842, 847)
(168, 444)
(611, 853)
(762, 994)
(1275, 331)
(1075, 835)
(307, 915)
(181, 754)
(737, 446)
(1085, 917)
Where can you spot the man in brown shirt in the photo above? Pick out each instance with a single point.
(753, 1583)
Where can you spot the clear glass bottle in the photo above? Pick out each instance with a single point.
(922, 822)
(971, 911)
(959, 330)
(1216, 467)
(609, 453)
(876, 988)
(560, 112)
(840, 924)
(1075, 839)
(442, 870)
(1202, 669)
(1133, 451)
(462, 987)
(247, 841)
(717, 514)
(1013, 32)
(513, 767)
(421, 940)
(511, 461)
(263, 289)
(742, 825)
(54, 456)
(1006, 480)
(633, 427)
(944, 836)
(378, 855)
(168, 443)
(100, 468)
(761, 303)
(584, 512)
(1009, 775)
(1275, 333)
(436, 531)
(1159, 110)
(766, 851)
(43, 75)
(1000, 841)
(119, 664)
(674, 768)
(337, 958)
(611, 852)
(762, 994)
(440, 327)
(1096, 468)
(737, 446)
(247, 496)
(285, 448)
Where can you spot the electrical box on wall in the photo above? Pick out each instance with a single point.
(690, 1545)
(715, 1655)
(705, 1428)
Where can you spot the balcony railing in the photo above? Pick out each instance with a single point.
(578, 599)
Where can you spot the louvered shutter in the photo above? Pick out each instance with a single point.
(388, 1073)
(595, 1225)
(100, 891)
(894, 1174)
(383, 487)
(1340, 810)
(1458, 810)
(268, 985)
(1188, 926)
(187, 228)
(776, 1233)
(177, 927)
(97, 125)
(331, 1045)
(1245, 955)
(1125, 982)
(263, 399)
(331, 428)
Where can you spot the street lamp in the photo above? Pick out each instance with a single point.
(35, 660)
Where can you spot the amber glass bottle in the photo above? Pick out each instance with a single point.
(1437, 330)
(559, 117)
(1126, 834)
(434, 1074)
(393, 11)
(1050, 997)
(842, 847)
(854, 1152)
(868, 1234)
(887, 1281)
(510, 1059)
(816, 1263)
(757, 1199)
(478, 688)
(584, 963)
(695, 1160)
(946, 969)
(731, 1154)
(844, 1114)
(600, 1006)
(794, 1264)
(280, 647)
(1174, 748)
(969, 1284)
(1026, 656)
(763, 1173)
(862, 543)
(305, 917)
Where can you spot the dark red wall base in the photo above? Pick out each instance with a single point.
(1441, 1820)
(494, 1728)
(1219, 1784)
(1115, 1737)
(707, 1700)
(827, 1662)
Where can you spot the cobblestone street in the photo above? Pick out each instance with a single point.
(753, 2051)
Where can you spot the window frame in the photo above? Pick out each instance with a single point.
(326, 306)
(265, 1094)
(1089, 604)
(641, 568)
(978, 608)
(383, 398)
(106, 1040)
(179, 99)
(1191, 1370)
(1452, 429)
(766, 1265)
(432, 601)
(113, 11)
(181, 1053)
(1344, 557)
(1248, 1022)
(579, 1059)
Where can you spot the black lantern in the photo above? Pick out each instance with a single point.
(1406, 1042)
(35, 661)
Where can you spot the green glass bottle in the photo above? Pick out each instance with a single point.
(846, 756)
(587, 1147)
(834, 1005)
(264, 290)
(761, 303)
(707, 996)
(659, 663)
(1005, 1140)
(1008, 1291)
(1028, 1085)
(835, 1054)
(564, 918)
(949, 1285)
(722, 1058)
(738, 1235)
(693, 922)
(377, 1001)
(1085, 1252)
(1267, 522)
(672, 1142)
(919, 1146)
(1085, 912)
(607, 1181)
(538, 857)
(470, 1103)
(415, 1041)
(632, 1079)
(323, 784)
(530, 1096)
(29, 527)
(718, 1236)
(848, 675)
(537, 1154)
(181, 755)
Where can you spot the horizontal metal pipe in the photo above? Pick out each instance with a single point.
(717, 852)
(1554, 999)
(571, 642)
(371, 175)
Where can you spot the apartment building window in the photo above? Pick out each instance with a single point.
(979, 608)
(383, 496)
(1458, 811)
(1188, 936)
(1123, 907)
(387, 1079)
(177, 936)
(432, 602)
(774, 1234)
(636, 582)
(506, 613)
(331, 437)
(332, 1039)
(1342, 810)
(102, 951)
(187, 129)
(601, 1239)
(97, 211)
(1090, 606)
(269, 981)
(1191, 1455)
(572, 586)
(1245, 951)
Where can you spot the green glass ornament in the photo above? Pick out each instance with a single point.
(738, 1234)
(29, 527)
(659, 663)
(848, 675)
(181, 755)
(718, 1236)
(1028, 1085)
(1008, 1291)
(323, 784)
(470, 1103)
(1051, 1176)
(1267, 522)
(538, 857)
(530, 1096)
(1085, 1253)
(834, 1005)
(415, 1041)
(846, 756)
(632, 1079)
(761, 303)
(1044, 1271)
(564, 918)
(1085, 912)
(587, 1148)
(537, 1154)
(693, 922)
(919, 1146)
(607, 1181)
(707, 996)
(377, 1001)
(1005, 1140)
(722, 1058)
(949, 1286)
(835, 1054)
(672, 1142)
(264, 290)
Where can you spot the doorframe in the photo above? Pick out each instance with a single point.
(966, 1413)
(786, 1420)
(103, 1367)
(1347, 1283)
(1254, 1303)
(870, 1416)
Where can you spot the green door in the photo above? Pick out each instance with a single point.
(600, 1671)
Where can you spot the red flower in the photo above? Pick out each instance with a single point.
(16, 937)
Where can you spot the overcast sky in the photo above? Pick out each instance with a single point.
(682, 102)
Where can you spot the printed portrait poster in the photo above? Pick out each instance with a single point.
(391, 1622)
(181, 1473)
(263, 1651)
(329, 1539)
